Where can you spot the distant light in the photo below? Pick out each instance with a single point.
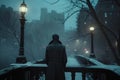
(92, 28)
(86, 51)
(85, 42)
(75, 50)
(116, 43)
(77, 40)
(85, 23)
(105, 22)
(105, 14)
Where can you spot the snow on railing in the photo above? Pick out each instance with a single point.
(35, 71)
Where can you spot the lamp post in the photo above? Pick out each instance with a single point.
(92, 55)
(23, 9)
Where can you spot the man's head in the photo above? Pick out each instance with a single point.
(55, 37)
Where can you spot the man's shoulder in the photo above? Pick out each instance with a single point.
(55, 45)
(61, 46)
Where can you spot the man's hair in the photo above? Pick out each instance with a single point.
(55, 37)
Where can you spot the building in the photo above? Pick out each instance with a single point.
(39, 32)
(108, 13)
(52, 21)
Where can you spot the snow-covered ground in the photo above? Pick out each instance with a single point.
(72, 61)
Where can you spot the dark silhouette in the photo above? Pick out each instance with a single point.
(56, 59)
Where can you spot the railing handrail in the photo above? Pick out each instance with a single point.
(83, 69)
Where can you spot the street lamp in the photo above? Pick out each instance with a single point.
(23, 9)
(92, 55)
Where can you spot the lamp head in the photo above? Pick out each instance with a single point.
(92, 28)
(23, 8)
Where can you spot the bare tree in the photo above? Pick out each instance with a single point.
(9, 19)
(52, 3)
(92, 12)
(102, 27)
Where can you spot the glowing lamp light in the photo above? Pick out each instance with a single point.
(86, 51)
(23, 8)
(92, 28)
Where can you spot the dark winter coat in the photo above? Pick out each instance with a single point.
(56, 60)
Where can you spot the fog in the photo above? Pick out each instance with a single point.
(38, 34)
(43, 20)
(34, 7)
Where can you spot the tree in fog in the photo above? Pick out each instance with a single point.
(9, 21)
(103, 28)
(9, 34)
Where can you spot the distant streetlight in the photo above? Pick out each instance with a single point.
(92, 55)
(92, 29)
(23, 9)
(86, 51)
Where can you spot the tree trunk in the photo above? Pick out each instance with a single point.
(101, 26)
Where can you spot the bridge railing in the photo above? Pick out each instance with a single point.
(36, 72)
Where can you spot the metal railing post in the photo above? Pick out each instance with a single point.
(83, 76)
(73, 75)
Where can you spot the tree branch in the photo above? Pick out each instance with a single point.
(9, 25)
(52, 3)
(70, 15)
(102, 28)
(76, 3)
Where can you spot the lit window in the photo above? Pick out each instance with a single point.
(112, 6)
(105, 22)
(84, 22)
(105, 14)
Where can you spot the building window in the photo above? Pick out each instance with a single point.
(105, 14)
(85, 23)
(112, 6)
(105, 22)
